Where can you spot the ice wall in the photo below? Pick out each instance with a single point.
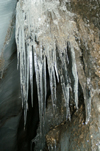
(6, 13)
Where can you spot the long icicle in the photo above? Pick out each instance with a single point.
(74, 72)
(31, 73)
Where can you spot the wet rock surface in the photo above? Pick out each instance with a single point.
(77, 134)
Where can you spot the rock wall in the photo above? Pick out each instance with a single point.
(76, 134)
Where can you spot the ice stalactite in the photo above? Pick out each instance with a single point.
(44, 29)
(52, 144)
(87, 101)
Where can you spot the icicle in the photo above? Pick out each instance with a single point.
(55, 64)
(52, 79)
(55, 145)
(51, 86)
(74, 72)
(65, 90)
(38, 69)
(67, 103)
(45, 87)
(65, 82)
(54, 74)
(28, 64)
(87, 100)
(25, 113)
(31, 73)
(54, 84)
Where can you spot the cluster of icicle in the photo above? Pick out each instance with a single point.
(52, 147)
(43, 30)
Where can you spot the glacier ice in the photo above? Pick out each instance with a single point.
(6, 30)
(44, 31)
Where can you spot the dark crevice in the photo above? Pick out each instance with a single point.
(24, 137)
(82, 60)
(48, 83)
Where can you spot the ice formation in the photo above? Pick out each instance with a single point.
(45, 33)
(52, 147)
